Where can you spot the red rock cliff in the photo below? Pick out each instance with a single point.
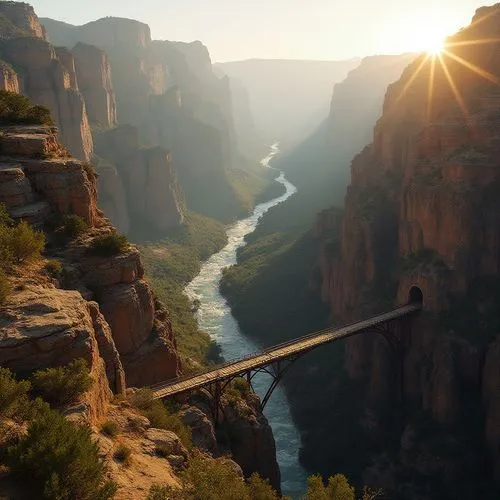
(422, 209)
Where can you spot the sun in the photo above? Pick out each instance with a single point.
(434, 45)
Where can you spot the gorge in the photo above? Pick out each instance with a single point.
(142, 239)
(215, 317)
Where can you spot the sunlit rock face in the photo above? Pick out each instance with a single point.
(24, 20)
(47, 76)
(422, 209)
(95, 83)
(171, 94)
(111, 311)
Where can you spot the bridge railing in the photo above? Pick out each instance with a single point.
(253, 355)
(245, 358)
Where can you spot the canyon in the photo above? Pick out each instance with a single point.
(419, 210)
(397, 188)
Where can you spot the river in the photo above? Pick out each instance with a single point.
(214, 316)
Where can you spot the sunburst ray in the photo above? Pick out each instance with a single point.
(453, 86)
(476, 69)
(409, 83)
(430, 94)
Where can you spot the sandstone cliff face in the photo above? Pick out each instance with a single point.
(145, 188)
(95, 83)
(45, 327)
(34, 189)
(112, 197)
(422, 210)
(22, 15)
(8, 78)
(47, 76)
(243, 432)
(169, 91)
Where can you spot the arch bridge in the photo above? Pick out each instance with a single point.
(395, 326)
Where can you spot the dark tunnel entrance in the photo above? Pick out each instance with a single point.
(416, 296)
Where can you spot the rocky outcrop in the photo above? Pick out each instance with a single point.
(48, 78)
(46, 327)
(243, 432)
(23, 17)
(8, 78)
(138, 325)
(113, 197)
(169, 91)
(153, 198)
(95, 83)
(153, 190)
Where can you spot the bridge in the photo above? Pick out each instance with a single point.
(394, 326)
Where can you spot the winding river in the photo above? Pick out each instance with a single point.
(214, 316)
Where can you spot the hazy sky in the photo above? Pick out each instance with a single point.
(297, 29)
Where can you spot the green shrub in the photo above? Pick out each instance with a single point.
(123, 454)
(260, 489)
(61, 386)
(241, 386)
(159, 416)
(17, 109)
(74, 226)
(110, 428)
(54, 267)
(13, 394)
(108, 245)
(5, 218)
(210, 479)
(60, 459)
(5, 288)
(158, 492)
(338, 488)
(24, 242)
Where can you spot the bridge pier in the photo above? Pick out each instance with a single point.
(398, 337)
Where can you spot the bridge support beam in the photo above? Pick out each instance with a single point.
(398, 336)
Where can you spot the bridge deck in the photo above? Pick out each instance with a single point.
(277, 353)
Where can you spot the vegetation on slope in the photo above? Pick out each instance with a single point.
(19, 243)
(170, 265)
(60, 458)
(17, 109)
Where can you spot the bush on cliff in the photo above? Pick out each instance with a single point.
(159, 416)
(108, 245)
(211, 479)
(338, 488)
(17, 109)
(20, 243)
(13, 395)
(64, 385)
(55, 458)
(61, 460)
(5, 288)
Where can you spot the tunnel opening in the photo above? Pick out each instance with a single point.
(415, 296)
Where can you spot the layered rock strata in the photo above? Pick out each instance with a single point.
(34, 189)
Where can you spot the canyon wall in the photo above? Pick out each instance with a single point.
(127, 324)
(170, 93)
(46, 75)
(422, 210)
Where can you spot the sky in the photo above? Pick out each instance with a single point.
(289, 29)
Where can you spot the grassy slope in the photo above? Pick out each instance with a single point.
(170, 265)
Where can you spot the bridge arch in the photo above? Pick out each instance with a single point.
(415, 295)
